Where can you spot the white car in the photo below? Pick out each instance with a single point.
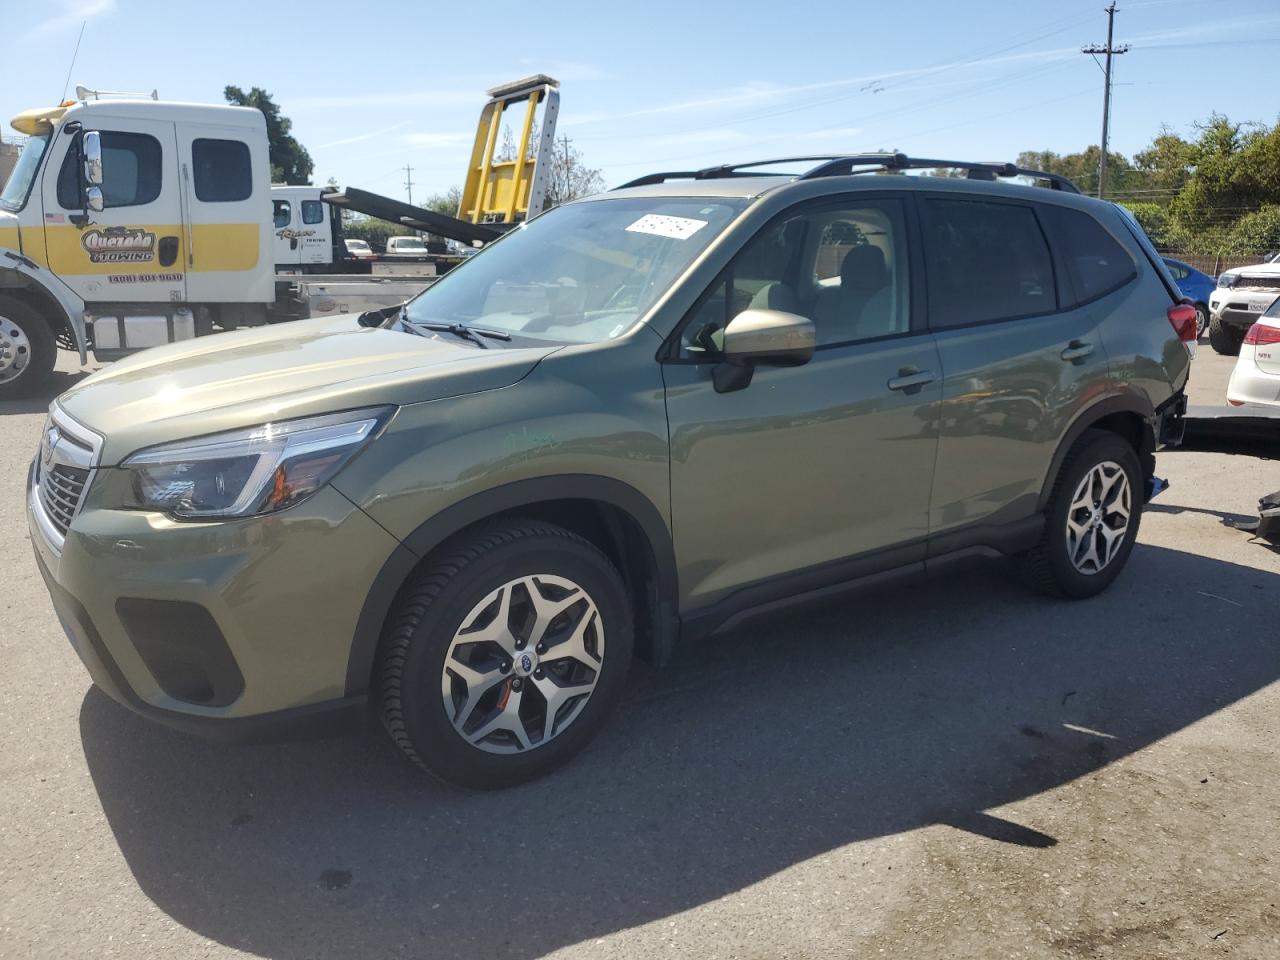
(1240, 298)
(1256, 377)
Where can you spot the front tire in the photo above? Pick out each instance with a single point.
(1092, 519)
(27, 350)
(1224, 339)
(1202, 319)
(507, 652)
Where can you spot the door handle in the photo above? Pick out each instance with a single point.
(1077, 350)
(911, 380)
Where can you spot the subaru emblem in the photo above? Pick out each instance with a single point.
(526, 664)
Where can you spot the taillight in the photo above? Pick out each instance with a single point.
(1182, 317)
(1262, 333)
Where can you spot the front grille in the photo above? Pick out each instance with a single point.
(64, 470)
(1257, 283)
(61, 488)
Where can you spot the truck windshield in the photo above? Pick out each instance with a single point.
(582, 272)
(15, 193)
(410, 244)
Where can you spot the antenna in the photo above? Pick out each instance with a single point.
(66, 83)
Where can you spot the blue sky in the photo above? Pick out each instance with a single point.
(659, 85)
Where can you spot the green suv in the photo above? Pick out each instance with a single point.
(632, 421)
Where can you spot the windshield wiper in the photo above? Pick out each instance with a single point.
(476, 335)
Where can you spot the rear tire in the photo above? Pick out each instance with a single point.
(504, 626)
(1224, 339)
(27, 350)
(1202, 319)
(1083, 548)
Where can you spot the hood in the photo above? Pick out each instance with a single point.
(1256, 270)
(231, 380)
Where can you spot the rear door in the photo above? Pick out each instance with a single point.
(133, 250)
(226, 189)
(1020, 360)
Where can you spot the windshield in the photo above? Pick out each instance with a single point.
(357, 245)
(409, 243)
(15, 193)
(580, 273)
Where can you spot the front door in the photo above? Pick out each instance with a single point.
(813, 465)
(288, 245)
(133, 250)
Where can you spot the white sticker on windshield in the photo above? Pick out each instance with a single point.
(674, 228)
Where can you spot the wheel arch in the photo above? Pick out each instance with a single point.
(1129, 416)
(609, 513)
(22, 281)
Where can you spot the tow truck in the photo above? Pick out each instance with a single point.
(130, 222)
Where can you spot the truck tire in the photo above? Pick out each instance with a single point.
(508, 650)
(1091, 522)
(27, 350)
(1224, 339)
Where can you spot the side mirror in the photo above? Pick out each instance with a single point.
(93, 199)
(762, 338)
(91, 144)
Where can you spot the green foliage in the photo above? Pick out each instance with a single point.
(290, 162)
(445, 203)
(1216, 193)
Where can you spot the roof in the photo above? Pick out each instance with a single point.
(34, 121)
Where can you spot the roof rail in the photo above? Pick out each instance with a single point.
(841, 165)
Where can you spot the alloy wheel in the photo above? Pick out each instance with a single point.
(1098, 518)
(523, 664)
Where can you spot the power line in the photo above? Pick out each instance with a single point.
(1110, 50)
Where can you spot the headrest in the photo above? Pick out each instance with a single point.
(775, 296)
(863, 268)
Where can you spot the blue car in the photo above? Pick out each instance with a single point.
(1195, 286)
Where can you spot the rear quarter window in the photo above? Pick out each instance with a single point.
(1096, 263)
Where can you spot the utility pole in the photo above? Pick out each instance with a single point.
(1110, 50)
(408, 182)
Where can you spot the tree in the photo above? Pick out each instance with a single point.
(290, 162)
(445, 203)
(569, 178)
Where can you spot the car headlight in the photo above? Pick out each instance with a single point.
(247, 472)
(1228, 279)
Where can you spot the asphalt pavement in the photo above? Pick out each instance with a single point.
(948, 769)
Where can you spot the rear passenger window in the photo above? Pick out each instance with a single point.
(1096, 263)
(312, 212)
(987, 261)
(222, 170)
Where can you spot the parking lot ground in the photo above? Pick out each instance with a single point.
(953, 769)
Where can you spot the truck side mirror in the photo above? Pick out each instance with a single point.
(92, 147)
(93, 199)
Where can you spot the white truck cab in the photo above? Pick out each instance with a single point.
(129, 222)
(307, 231)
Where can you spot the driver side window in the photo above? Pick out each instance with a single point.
(844, 267)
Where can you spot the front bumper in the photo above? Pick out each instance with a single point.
(1240, 307)
(271, 604)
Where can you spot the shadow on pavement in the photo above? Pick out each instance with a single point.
(59, 382)
(784, 740)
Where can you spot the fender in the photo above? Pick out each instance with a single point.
(1103, 407)
(512, 496)
(48, 283)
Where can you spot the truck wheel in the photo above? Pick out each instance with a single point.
(27, 350)
(1092, 519)
(507, 652)
(1224, 339)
